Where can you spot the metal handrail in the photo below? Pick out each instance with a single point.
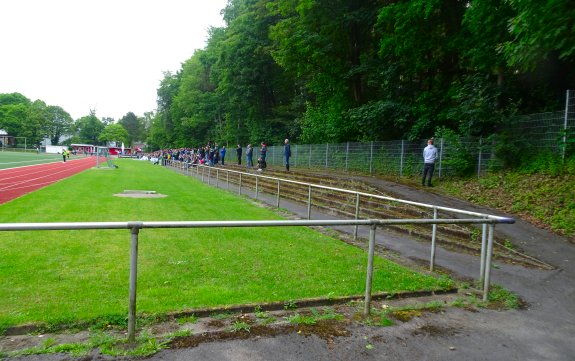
(486, 232)
(136, 226)
(342, 190)
(358, 194)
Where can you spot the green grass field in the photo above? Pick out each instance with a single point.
(63, 276)
(21, 159)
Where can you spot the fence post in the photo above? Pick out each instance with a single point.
(371, 158)
(479, 158)
(209, 176)
(433, 240)
(440, 158)
(257, 178)
(295, 157)
(346, 155)
(565, 125)
(401, 159)
(227, 180)
(217, 178)
(488, 263)
(135, 229)
(369, 277)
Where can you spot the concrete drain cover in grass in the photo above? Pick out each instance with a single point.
(140, 194)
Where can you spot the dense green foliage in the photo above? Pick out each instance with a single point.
(21, 117)
(320, 71)
(541, 191)
(362, 70)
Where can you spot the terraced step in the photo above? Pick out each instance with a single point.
(460, 238)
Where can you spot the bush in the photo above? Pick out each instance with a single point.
(546, 163)
(460, 161)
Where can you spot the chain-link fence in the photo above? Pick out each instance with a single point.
(525, 135)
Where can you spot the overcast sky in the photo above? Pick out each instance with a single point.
(107, 55)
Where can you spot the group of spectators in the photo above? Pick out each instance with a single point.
(213, 154)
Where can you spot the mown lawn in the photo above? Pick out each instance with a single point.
(21, 159)
(62, 276)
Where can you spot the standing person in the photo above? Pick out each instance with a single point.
(287, 153)
(239, 154)
(263, 151)
(223, 154)
(250, 155)
(429, 157)
(64, 155)
(216, 154)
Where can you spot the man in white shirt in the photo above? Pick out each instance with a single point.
(429, 157)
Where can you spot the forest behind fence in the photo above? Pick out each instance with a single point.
(526, 136)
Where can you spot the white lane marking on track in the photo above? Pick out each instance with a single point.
(11, 187)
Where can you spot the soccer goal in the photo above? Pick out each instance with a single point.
(103, 152)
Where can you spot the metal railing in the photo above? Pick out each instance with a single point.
(136, 226)
(487, 232)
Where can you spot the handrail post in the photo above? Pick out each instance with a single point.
(309, 202)
(433, 241)
(483, 252)
(356, 216)
(209, 176)
(228, 180)
(257, 178)
(278, 198)
(217, 178)
(369, 277)
(203, 172)
(240, 186)
(135, 229)
(488, 263)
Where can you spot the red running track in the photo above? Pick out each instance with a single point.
(15, 182)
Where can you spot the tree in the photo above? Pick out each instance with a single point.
(134, 127)
(59, 123)
(13, 109)
(89, 128)
(539, 29)
(328, 46)
(114, 133)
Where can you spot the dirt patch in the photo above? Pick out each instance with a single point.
(434, 331)
(405, 316)
(216, 323)
(140, 194)
(326, 330)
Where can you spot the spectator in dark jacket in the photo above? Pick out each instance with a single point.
(263, 151)
(287, 153)
(239, 154)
